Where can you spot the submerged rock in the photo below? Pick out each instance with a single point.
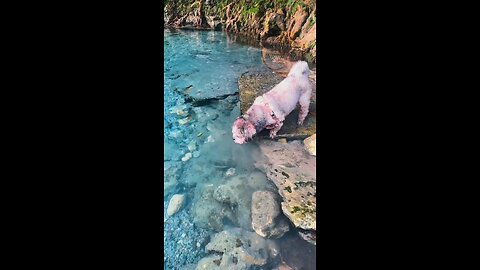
(170, 176)
(267, 219)
(239, 249)
(292, 170)
(209, 262)
(184, 121)
(214, 22)
(237, 196)
(180, 110)
(210, 139)
(192, 146)
(187, 156)
(231, 202)
(176, 202)
(230, 172)
(208, 213)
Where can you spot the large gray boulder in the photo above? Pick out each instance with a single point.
(267, 218)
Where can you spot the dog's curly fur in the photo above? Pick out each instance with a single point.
(269, 110)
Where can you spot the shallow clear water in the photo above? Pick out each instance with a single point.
(199, 152)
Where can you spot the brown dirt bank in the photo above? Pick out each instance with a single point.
(288, 26)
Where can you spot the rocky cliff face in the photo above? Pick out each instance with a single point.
(289, 25)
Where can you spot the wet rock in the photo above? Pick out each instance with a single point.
(283, 266)
(311, 144)
(176, 202)
(187, 157)
(196, 154)
(180, 110)
(297, 22)
(214, 22)
(252, 85)
(236, 196)
(184, 121)
(280, 20)
(257, 180)
(175, 134)
(230, 172)
(224, 194)
(224, 241)
(296, 253)
(267, 219)
(205, 114)
(210, 139)
(192, 146)
(308, 235)
(240, 249)
(292, 170)
(208, 213)
(209, 262)
(277, 62)
(205, 93)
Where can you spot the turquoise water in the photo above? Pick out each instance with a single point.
(200, 155)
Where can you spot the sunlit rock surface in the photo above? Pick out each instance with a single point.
(311, 144)
(292, 170)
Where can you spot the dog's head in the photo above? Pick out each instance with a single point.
(299, 69)
(242, 130)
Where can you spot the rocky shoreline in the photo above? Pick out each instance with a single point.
(288, 26)
(231, 210)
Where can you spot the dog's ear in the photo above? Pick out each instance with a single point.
(249, 130)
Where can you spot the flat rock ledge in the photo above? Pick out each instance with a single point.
(292, 170)
(256, 83)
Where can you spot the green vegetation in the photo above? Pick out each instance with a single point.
(303, 210)
(311, 22)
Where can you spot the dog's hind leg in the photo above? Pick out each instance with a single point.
(304, 104)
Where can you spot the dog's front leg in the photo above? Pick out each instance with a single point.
(276, 128)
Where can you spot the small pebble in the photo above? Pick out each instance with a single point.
(210, 139)
(183, 121)
(230, 172)
(192, 146)
(187, 156)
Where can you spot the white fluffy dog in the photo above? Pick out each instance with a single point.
(269, 110)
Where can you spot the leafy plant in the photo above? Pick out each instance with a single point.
(311, 22)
